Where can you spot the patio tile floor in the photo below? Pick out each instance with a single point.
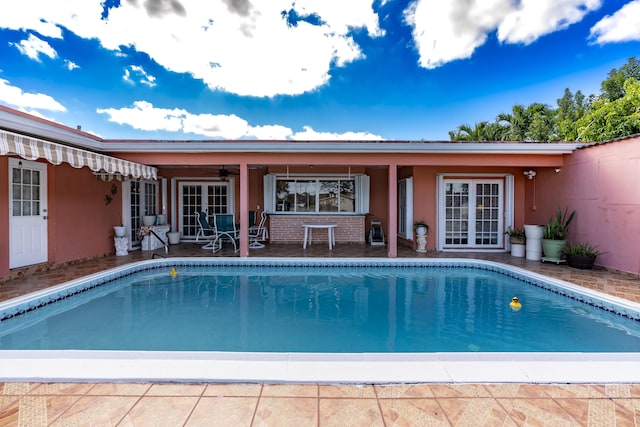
(125, 404)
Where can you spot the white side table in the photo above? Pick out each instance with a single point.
(329, 226)
(150, 242)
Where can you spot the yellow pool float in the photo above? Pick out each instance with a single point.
(173, 272)
(515, 304)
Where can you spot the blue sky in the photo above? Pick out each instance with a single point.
(303, 69)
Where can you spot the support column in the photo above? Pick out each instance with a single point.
(392, 241)
(244, 210)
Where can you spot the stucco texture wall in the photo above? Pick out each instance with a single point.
(80, 221)
(602, 184)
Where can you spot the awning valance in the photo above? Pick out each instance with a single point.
(106, 166)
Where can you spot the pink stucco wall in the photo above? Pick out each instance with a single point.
(602, 184)
(80, 224)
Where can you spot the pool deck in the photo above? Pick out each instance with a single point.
(612, 401)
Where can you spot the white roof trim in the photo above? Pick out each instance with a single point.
(397, 147)
(30, 148)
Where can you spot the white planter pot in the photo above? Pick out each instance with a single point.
(120, 231)
(517, 250)
(534, 235)
(533, 231)
(148, 220)
(174, 237)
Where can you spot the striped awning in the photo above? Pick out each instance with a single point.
(106, 167)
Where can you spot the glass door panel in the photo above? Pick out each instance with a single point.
(457, 213)
(212, 198)
(473, 225)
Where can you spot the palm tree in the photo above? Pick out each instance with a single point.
(481, 131)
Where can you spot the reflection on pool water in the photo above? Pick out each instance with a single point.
(319, 306)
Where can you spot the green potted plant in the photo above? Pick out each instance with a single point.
(555, 235)
(517, 239)
(581, 255)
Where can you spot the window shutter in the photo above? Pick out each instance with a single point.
(269, 192)
(362, 193)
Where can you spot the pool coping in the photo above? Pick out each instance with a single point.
(330, 368)
(318, 368)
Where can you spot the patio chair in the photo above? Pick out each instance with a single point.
(205, 231)
(258, 233)
(225, 228)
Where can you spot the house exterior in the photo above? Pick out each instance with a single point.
(63, 190)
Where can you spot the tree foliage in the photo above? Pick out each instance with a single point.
(608, 120)
(613, 87)
(611, 114)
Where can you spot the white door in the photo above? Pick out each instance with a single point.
(213, 198)
(27, 213)
(140, 198)
(473, 214)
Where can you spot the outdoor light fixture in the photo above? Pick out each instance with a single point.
(558, 170)
(530, 173)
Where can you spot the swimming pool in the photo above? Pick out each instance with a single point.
(410, 301)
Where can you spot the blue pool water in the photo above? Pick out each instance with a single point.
(338, 308)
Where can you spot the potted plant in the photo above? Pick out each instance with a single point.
(421, 229)
(555, 234)
(517, 239)
(581, 255)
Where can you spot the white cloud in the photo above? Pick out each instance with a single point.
(13, 95)
(622, 26)
(242, 47)
(270, 132)
(144, 116)
(141, 76)
(312, 135)
(70, 65)
(216, 125)
(33, 47)
(448, 30)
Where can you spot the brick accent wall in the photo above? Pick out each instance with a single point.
(288, 228)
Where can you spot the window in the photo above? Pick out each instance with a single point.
(405, 208)
(313, 195)
(26, 192)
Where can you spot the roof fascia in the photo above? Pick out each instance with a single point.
(418, 147)
(26, 124)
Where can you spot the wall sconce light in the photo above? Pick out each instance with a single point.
(530, 174)
(20, 164)
(558, 170)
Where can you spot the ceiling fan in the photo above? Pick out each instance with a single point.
(224, 173)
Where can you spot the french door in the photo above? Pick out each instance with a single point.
(472, 211)
(210, 197)
(143, 200)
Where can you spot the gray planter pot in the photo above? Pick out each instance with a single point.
(553, 248)
(583, 262)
